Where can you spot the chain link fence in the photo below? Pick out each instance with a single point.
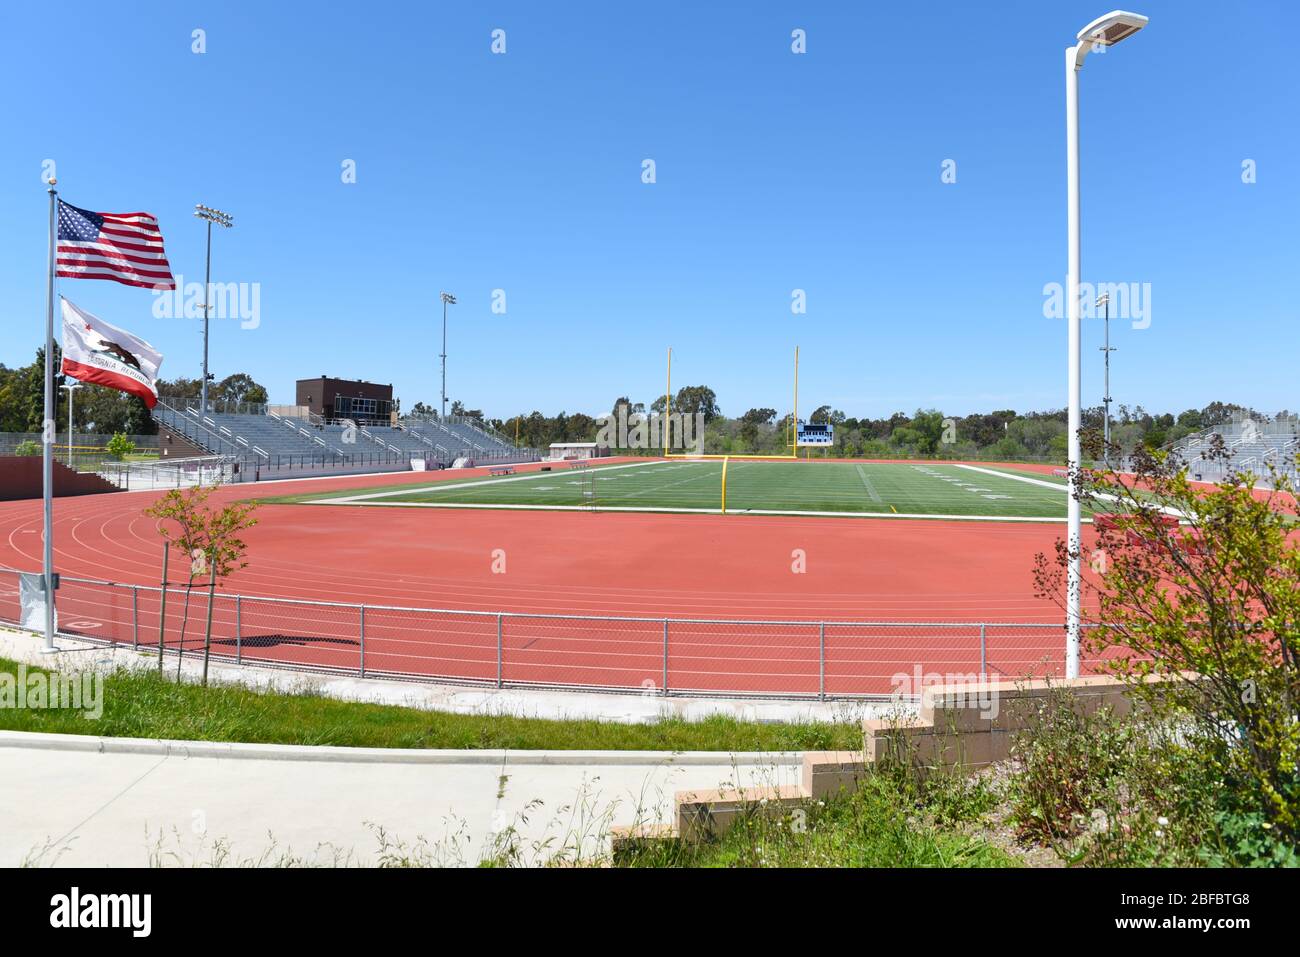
(656, 656)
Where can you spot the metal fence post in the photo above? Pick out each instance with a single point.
(239, 629)
(363, 641)
(984, 658)
(499, 621)
(665, 657)
(821, 661)
(135, 616)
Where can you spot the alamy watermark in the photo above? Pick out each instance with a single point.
(961, 690)
(1128, 301)
(639, 430)
(37, 690)
(226, 300)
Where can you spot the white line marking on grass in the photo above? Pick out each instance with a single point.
(871, 490)
(448, 486)
(1056, 486)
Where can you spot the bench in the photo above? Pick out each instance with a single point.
(501, 470)
(579, 464)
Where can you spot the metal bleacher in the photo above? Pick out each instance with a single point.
(1255, 444)
(266, 443)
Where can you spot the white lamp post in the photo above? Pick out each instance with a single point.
(1103, 32)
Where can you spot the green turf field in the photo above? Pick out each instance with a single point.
(894, 488)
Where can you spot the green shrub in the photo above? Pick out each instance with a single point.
(1209, 606)
(119, 446)
(27, 447)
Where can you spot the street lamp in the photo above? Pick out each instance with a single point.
(447, 300)
(1101, 33)
(210, 216)
(71, 387)
(1107, 349)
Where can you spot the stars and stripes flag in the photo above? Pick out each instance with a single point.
(124, 247)
(94, 351)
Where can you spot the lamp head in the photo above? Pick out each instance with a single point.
(1115, 26)
(214, 216)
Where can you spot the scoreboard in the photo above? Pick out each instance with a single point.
(816, 433)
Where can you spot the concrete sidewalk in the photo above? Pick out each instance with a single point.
(119, 802)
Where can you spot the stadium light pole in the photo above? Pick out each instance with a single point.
(210, 216)
(71, 387)
(1100, 34)
(1107, 349)
(447, 300)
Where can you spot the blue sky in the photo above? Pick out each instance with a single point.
(775, 172)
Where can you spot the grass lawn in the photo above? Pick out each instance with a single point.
(140, 705)
(906, 488)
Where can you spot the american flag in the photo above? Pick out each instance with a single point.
(126, 247)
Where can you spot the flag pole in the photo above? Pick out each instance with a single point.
(48, 430)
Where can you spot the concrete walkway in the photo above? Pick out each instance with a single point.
(119, 802)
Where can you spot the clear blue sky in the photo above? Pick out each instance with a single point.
(775, 171)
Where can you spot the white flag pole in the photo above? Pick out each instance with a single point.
(48, 432)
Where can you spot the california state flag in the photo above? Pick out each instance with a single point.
(94, 351)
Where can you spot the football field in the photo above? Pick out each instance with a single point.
(905, 489)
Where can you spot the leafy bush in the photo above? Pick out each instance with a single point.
(119, 446)
(1104, 789)
(1209, 604)
(27, 447)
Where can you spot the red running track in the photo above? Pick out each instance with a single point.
(565, 563)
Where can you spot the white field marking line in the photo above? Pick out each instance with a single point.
(711, 511)
(715, 473)
(447, 486)
(966, 486)
(1054, 486)
(1166, 509)
(871, 489)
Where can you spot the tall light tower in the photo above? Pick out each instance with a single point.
(1107, 349)
(210, 216)
(447, 300)
(71, 387)
(1101, 33)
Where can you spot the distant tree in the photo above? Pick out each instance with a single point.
(180, 387)
(237, 388)
(697, 398)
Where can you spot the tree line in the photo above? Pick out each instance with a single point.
(1000, 434)
(96, 409)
